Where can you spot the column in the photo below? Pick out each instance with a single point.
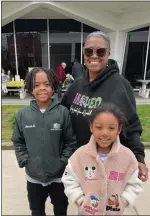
(117, 46)
(125, 55)
(44, 46)
(44, 55)
(48, 45)
(148, 41)
(72, 52)
(17, 77)
(81, 61)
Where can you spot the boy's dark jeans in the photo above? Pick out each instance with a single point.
(37, 196)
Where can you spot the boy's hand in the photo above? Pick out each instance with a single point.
(143, 172)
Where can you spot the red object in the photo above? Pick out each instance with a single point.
(60, 73)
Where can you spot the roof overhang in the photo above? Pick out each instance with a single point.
(106, 16)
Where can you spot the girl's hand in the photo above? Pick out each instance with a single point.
(124, 202)
(79, 202)
(79, 206)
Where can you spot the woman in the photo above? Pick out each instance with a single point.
(103, 83)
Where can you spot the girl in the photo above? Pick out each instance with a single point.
(102, 176)
(43, 141)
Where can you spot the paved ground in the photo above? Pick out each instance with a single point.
(14, 197)
(14, 100)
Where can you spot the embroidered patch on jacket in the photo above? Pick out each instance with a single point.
(30, 126)
(94, 201)
(94, 205)
(116, 176)
(56, 126)
(113, 203)
(90, 173)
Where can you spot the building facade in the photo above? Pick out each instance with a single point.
(48, 33)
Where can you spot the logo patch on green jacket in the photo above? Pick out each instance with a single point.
(56, 126)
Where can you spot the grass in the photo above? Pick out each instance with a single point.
(9, 111)
(7, 114)
(144, 115)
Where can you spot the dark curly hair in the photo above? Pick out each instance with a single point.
(110, 108)
(30, 79)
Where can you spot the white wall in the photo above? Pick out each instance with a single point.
(113, 16)
(92, 17)
(87, 14)
(135, 20)
(14, 10)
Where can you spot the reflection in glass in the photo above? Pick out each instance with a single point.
(135, 55)
(29, 51)
(31, 45)
(8, 53)
(64, 34)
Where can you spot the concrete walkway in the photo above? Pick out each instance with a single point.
(14, 195)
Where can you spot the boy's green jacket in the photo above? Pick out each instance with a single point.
(43, 142)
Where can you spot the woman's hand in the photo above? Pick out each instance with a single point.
(143, 172)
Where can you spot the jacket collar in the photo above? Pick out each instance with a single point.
(91, 147)
(54, 103)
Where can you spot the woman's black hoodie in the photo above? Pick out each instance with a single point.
(83, 96)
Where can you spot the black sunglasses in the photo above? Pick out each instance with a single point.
(100, 52)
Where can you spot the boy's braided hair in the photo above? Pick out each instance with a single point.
(30, 79)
